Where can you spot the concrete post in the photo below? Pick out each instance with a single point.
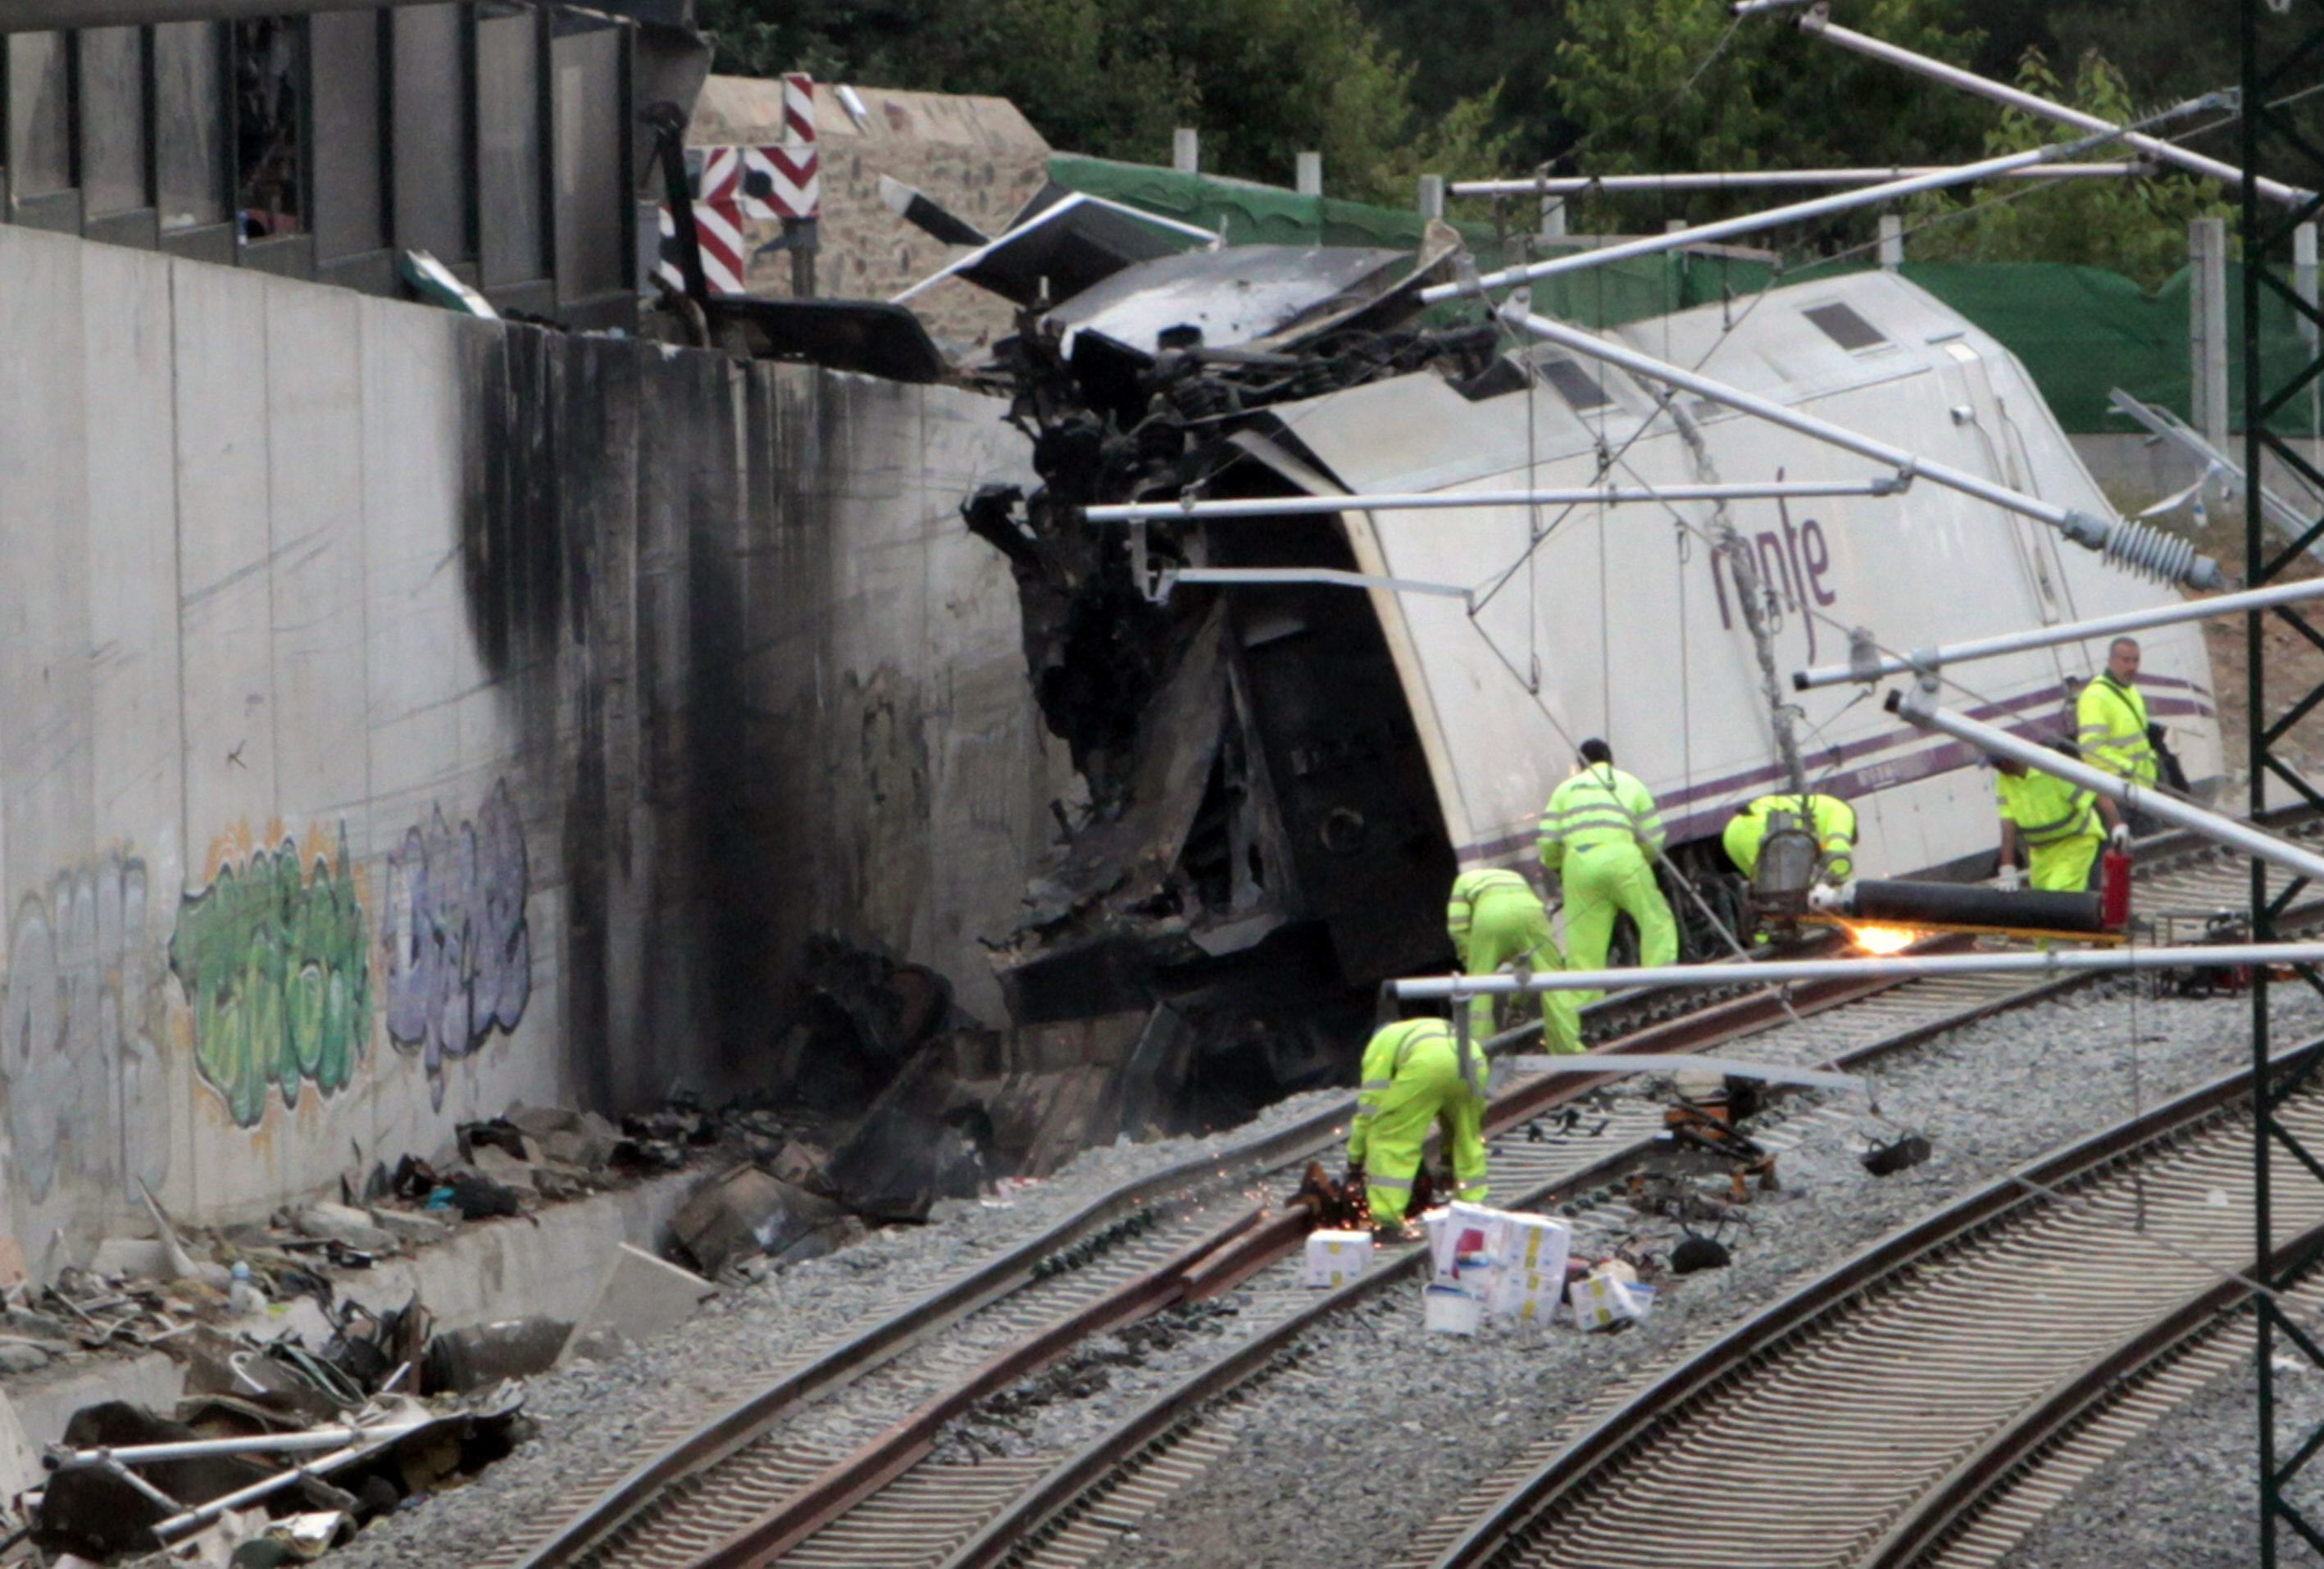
(1553, 217)
(1892, 240)
(1308, 179)
(1432, 197)
(1672, 225)
(1186, 150)
(2207, 328)
(2303, 280)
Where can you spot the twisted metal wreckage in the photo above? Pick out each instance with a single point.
(1554, 532)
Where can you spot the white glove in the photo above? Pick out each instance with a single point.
(2011, 879)
(2120, 838)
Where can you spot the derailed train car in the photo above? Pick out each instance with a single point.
(1621, 621)
(1286, 773)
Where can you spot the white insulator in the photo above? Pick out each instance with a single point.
(2164, 557)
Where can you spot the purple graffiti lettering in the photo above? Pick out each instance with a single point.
(459, 954)
(79, 1066)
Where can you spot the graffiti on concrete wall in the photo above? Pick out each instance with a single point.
(78, 1059)
(459, 958)
(274, 958)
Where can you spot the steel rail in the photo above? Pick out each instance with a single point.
(2097, 1388)
(1000, 1539)
(756, 1415)
(1085, 1469)
(1704, 1020)
(1499, 1532)
(1261, 1240)
(902, 1446)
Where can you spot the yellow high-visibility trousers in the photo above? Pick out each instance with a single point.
(1602, 879)
(2064, 866)
(1412, 1080)
(1510, 923)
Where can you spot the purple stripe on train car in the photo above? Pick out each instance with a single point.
(1712, 802)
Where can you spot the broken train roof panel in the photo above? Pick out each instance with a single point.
(1618, 613)
(1235, 297)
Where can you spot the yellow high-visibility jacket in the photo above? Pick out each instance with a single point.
(1469, 890)
(1600, 804)
(2047, 810)
(2110, 729)
(1832, 820)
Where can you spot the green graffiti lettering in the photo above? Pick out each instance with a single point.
(274, 963)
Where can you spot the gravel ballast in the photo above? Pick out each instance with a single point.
(599, 1417)
(2186, 1493)
(1387, 1425)
(1384, 1425)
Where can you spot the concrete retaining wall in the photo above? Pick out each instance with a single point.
(401, 715)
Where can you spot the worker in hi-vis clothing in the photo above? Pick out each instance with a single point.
(1598, 836)
(2058, 824)
(2110, 724)
(1495, 917)
(1832, 820)
(1412, 1078)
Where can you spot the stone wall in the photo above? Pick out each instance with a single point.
(402, 715)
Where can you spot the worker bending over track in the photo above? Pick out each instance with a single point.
(1413, 1077)
(2058, 823)
(1599, 835)
(1832, 820)
(1495, 918)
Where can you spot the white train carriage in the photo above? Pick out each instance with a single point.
(1611, 621)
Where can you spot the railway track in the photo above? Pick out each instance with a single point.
(1869, 1419)
(747, 1488)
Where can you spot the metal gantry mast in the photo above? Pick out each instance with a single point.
(2272, 144)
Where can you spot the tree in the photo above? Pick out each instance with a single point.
(2134, 227)
(1262, 79)
(1670, 85)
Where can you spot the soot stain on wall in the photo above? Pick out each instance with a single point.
(513, 520)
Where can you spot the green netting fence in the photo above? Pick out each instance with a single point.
(2080, 331)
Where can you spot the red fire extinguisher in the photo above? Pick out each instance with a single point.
(2114, 891)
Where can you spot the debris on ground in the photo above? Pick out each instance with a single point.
(216, 1474)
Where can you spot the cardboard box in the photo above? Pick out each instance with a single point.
(1513, 1262)
(1336, 1257)
(1525, 1298)
(1602, 1301)
(1533, 1245)
(1463, 1242)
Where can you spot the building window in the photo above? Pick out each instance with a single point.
(270, 154)
(39, 155)
(189, 123)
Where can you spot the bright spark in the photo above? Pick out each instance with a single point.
(1883, 940)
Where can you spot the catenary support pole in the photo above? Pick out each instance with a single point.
(1919, 708)
(1817, 22)
(2207, 326)
(1308, 506)
(1783, 972)
(1875, 665)
(2144, 549)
